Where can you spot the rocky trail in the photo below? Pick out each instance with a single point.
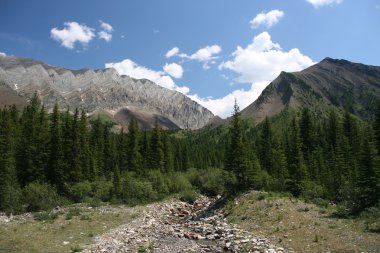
(175, 226)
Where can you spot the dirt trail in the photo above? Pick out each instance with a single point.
(175, 226)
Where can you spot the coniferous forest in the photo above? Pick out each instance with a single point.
(50, 159)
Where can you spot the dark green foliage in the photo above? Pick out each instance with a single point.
(156, 156)
(47, 158)
(40, 197)
(237, 155)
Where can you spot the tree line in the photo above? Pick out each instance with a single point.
(334, 158)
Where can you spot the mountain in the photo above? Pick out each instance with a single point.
(101, 91)
(332, 82)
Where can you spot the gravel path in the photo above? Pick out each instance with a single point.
(175, 226)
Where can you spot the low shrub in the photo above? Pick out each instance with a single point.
(40, 197)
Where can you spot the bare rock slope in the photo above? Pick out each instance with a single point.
(331, 82)
(101, 90)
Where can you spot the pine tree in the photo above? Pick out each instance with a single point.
(75, 153)
(307, 133)
(377, 127)
(368, 178)
(117, 184)
(84, 155)
(168, 157)
(266, 154)
(156, 158)
(56, 166)
(27, 147)
(296, 164)
(237, 153)
(10, 194)
(133, 156)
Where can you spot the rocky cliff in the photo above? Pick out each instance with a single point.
(102, 90)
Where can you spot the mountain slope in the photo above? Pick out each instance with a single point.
(338, 83)
(101, 90)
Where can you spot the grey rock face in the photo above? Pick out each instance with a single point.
(102, 89)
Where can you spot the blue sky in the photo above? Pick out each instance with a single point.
(214, 51)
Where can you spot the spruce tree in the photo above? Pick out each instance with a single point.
(156, 158)
(133, 156)
(10, 194)
(56, 166)
(237, 154)
(266, 154)
(368, 176)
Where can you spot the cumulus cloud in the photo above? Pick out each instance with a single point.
(263, 60)
(132, 69)
(174, 70)
(106, 31)
(223, 107)
(207, 55)
(3, 54)
(258, 64)
(266, 19)
(72, 33)
(320, 3)
(172, 52)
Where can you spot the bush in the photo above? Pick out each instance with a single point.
(80, 192)
(160, 182)
(11, 200)
(137, 191)
(40, 197)
(210, 181)
(179, 183)
(188, 196)
(45, 216)
(101, 190)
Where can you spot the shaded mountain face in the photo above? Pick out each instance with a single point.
(102, 90)
(339, 83)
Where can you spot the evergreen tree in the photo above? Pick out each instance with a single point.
(84, 154)
(296, 164)
(27, 166)
(266, 154)
(156, 158)
(134, 156)
(117, 184)
(75, 153)
(56, 166)
(168, 157)
(237, 153)
(9, 187)
(368, 178)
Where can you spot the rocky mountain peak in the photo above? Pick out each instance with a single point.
(101, 90)
(338, 83)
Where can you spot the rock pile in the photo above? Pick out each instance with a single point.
(177, 226)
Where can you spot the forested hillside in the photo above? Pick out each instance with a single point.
(50, 159)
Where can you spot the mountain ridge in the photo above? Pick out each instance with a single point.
(334, 82)
(101, 89)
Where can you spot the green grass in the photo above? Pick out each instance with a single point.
(38, 236)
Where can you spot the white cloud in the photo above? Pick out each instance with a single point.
(223, 107)
(172, 52)
(132, 69)
(258, 64)
(267, 19)
(206, 54)
(3, 54)
(320, 3)
(174, 70)
(72, 33)
(263, 60)
(106, 31)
